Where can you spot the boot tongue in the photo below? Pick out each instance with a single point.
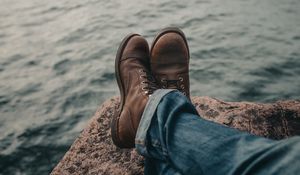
(172, 84)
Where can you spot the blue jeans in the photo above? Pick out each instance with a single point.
(175, 140)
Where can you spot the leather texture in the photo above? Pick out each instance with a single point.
(169, 60)
(135, 84)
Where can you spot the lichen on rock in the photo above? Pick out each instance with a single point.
(94, 153)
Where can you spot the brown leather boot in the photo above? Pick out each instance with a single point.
(169, 59)
(135, 84)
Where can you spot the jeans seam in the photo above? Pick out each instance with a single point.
(146, 119)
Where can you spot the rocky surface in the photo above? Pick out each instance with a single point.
(93, 151)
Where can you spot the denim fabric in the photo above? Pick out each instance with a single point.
(175, 140)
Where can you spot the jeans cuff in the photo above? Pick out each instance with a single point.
(153, 102)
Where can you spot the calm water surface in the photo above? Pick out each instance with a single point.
(57, 58)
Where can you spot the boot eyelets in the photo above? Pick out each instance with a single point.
(143, 88)
(147, 82)
(174, 84)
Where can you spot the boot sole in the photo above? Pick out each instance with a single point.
(116, 116)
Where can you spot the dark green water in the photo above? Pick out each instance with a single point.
(57, 58)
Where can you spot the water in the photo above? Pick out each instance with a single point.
(57, 58)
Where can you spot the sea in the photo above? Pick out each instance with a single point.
(57, 62)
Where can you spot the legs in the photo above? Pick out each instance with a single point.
(169, 132)
(178, 140)
(135, 81)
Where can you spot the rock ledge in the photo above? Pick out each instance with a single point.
(93, 152)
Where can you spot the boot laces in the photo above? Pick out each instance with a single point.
(174, 84)
(148, 82)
